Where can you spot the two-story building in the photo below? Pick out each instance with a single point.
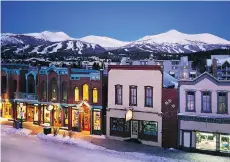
(134, 103)
(67, 98)
(204, 120)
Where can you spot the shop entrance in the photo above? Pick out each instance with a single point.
(30, 113)
(85, 118)
(57, 118)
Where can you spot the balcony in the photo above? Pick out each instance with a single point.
(25, 96)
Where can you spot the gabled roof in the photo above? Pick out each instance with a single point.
(203, 76)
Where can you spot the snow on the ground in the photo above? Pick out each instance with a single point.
(3, 119)
(91, 146)
(7, 129)
(99, 136)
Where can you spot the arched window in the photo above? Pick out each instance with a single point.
(95, 95)
(54, 89)
(85, 92)
(31, 86)
(14, 85)
(43, 90)
(76, 94)
(64, 91)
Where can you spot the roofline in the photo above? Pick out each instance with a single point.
(201, 77)
(135, 67)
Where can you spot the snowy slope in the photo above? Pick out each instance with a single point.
(174, 36)
(105, 42)
(51, 36)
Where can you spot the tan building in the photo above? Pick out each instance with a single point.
(135, 95)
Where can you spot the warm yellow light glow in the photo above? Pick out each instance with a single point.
(95, 97)
(76, 94)
(85, 92)
(128, 115)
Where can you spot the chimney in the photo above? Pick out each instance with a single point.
(214, 67)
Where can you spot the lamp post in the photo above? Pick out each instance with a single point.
(21, 112)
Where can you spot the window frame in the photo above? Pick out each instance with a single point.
(116, 94)
(226, 101)
(146, 88)
(186, 107)
(64, 83)
(130, 95)
(210, 102)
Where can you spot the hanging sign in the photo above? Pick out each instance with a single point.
(129, 115)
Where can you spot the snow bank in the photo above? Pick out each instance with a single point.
(99, 136)
(6, 129)
(67, 140)
(88, 145)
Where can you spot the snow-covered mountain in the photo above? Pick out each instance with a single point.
(169, 42)
(105, 42)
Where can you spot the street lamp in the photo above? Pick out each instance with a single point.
(21, 112)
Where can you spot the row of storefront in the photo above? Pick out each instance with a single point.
(81, 117)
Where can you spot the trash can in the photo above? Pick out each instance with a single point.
(17, 124)
(47, 130)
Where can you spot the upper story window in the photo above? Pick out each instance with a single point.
(222, 102)
(95, 95)
(31, 84)
(132, 95)
(206, 102)
(85, 92)
(118, 94)
(148, 96)
(54, 89)
(43, 90)
(190, 100)
(3, 84)
(14, 85)
(76, 94)
(64, 91)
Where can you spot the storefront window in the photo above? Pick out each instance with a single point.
(150, 128)
(97, 120)
(35, 114)
(205, 141)
(21, 111)
(225, 143)
(57, 117)
(75, 118)
(119, 127)
(65, 111)
(47, 114)
(6, 110)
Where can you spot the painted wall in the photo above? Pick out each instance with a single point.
(140, 78)
(203, 85)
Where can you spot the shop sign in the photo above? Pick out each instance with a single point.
(129, 115)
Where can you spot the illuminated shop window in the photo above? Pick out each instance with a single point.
(75, 118)
(46, 115)
(95, 95)
(85, 92)
(225, 143)
(35, 114)
(97, 120)
(21, 110)
(205, 141)
(76, 94)
(65, 111)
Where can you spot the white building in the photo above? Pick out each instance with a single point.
(204, 120)
(135, 94)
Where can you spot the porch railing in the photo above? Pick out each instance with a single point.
(26, 96)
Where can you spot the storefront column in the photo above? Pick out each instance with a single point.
(218, 142)
(39, 114)
(70, 118)
(14, 108)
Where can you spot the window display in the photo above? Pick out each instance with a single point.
(150, 128)
(117, 124)
(205, 141)
(47, 114)
(225, 143)
(21, 111)
(75, 118)
(65, 111)
(35, 114)
(97, 120)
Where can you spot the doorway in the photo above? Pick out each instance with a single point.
(30, 113)
(186, 139)
(134, 129)
(85, 118)
(57, 118)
